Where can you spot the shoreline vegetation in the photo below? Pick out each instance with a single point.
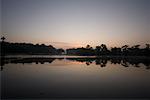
(30, 53)
(8, 48)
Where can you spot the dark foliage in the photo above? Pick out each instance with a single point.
(102, 50)
(114, 51)
(88, 51)
(28, 48)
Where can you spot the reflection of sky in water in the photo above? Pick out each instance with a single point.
(65, 78)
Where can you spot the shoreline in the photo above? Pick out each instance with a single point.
(70, 56)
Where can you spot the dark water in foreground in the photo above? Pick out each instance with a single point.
(75, 78)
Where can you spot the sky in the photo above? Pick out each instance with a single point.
(76, 23)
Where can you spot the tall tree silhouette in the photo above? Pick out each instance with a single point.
(98, 50)
(124, 50)
(147, 50)
(116, 51)
(134, 50)
(102, 49)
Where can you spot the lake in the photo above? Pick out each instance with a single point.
(75, 77)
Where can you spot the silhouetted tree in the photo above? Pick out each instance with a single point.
(124, 50)
(88, 51)
(116, 51)
(88, 47)
(134, 50)
(98, 50)
(101, 50)
(60, 51)
(147, 50)
(147, 46)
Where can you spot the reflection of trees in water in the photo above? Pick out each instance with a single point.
(25, 60)
(2, 63)
(126, 62)
(137, 61)
(102, 61)
(115, 60)
(33, 60)
(88, 61)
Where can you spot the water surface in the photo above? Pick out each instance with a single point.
(75, 77)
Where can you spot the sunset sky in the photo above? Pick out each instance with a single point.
(75, 23)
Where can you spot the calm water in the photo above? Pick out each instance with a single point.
(75, 78)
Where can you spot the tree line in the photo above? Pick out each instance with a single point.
(102, 50)
(8, 48)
